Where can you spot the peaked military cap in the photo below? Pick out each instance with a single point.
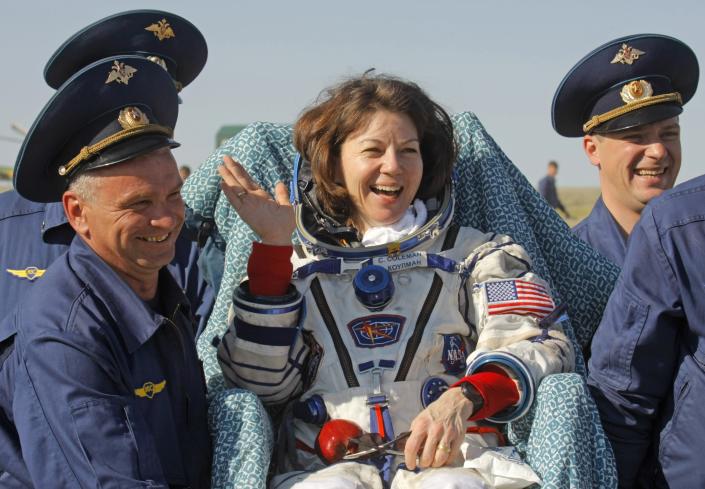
(165, 38)
(628, 82)
(110, 111)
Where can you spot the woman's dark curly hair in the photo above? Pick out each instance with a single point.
(348, 107)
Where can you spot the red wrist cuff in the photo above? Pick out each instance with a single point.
(498, 392)
(269, 269)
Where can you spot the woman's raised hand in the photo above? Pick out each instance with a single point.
(271, 218)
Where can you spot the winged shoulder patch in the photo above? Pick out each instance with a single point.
(30, 273)
(150, 389)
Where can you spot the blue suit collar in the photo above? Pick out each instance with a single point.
(54, 216)
(606, 236)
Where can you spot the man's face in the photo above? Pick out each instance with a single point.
(636, 164)
(136, 213)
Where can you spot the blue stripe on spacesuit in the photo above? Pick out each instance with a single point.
(291, 367)
(265, 335)
(441, 262)
(336, 266)
(293, 361)
(365, 366)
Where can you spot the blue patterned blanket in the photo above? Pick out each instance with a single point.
(561, 437)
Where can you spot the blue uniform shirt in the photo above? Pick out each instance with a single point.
(13, 472)
(601, 231)
(647, 370)
(107, 392)
(33, 235)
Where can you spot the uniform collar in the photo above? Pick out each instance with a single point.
(55, 226)
(54, 216)
(606, 235)
(136, 321)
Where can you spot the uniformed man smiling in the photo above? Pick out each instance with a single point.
(624, 99)
(34, 234)
(108, 390)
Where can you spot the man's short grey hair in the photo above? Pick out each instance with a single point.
(84, 186)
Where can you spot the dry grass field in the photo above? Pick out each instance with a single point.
(578, 201)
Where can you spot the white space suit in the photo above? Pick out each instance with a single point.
(461, 299)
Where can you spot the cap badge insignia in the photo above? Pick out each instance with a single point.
(159, 61)
(636, 90)
(150, 389)
(132, 117)
(120, 73)
(30, 273)
(162, 30)
(627, 55)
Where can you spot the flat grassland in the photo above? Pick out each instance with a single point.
(578, 201)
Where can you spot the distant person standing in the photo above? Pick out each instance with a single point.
(547, 188)
(624, 99)
(185, 172)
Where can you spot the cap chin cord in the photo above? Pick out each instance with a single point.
(88, 152)
(639, 104)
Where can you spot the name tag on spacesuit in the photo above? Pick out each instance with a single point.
(403, 261)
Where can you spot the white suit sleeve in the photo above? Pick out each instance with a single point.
(263, 349)
(511, 309)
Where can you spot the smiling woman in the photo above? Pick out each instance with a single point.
(381, 168)
(348, 110)
(402, 307)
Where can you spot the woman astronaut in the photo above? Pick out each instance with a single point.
(387, 318)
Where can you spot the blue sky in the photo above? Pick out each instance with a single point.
(268, 59)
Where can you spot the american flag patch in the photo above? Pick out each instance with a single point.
(518, 297)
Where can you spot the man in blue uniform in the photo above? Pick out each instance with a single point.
(32, 236)
(647, 370)
(102, 371)
(35, 234)
(624, 99)
(547, 188)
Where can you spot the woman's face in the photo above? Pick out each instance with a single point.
(381, 168)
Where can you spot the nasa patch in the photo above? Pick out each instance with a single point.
(454, 354)
(376, 330)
